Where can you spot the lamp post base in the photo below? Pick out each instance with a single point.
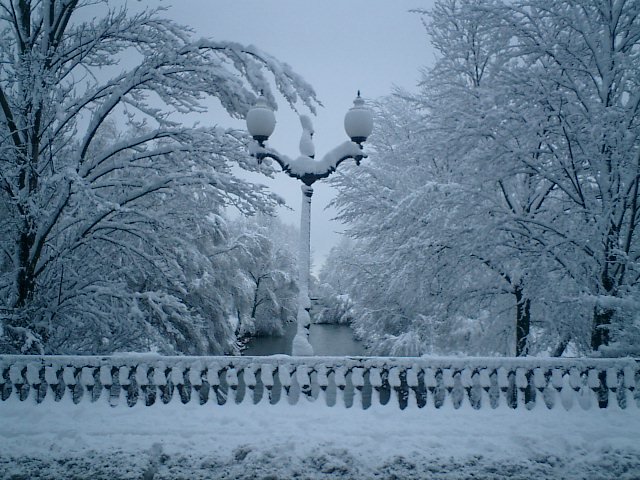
(301, 346)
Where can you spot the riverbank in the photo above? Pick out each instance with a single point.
(311, 441)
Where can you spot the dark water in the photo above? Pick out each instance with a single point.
(325, 339)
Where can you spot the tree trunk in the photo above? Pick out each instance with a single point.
(523, 322)
(25, 278)
(601, 322)
(562, 346)
(603, 315)
(256, 302)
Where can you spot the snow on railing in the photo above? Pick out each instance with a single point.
(359, 382)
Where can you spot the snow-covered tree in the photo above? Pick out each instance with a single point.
(267, 281)
(332, 303)
(99, 228)
(502, 198)
(582, 72)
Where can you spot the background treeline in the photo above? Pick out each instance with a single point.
(499, 211)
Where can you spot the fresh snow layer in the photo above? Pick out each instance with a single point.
(94, 440)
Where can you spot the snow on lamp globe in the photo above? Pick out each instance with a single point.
(358, 122)
(261, 121)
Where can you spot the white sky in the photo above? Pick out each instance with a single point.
(337, 46)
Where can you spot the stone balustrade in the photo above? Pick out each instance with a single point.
(352, 382)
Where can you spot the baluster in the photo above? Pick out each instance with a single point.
(593, 382)
(485, 382)
(20, 384)
(494, 388)
(555, 381)
(357, 379)
(67, 383)
(602, 389)
(33, 378)
(304, 381)
(584, 394)
(146, 383)
(213, 379)
(540, 383)
(132, 388)
(5, 384)
(476, 392)
(195, 380)
(436, 386)
(88, 381)
(574, 378)
(123, 376)
(575, 382)
(466, 383)
(231, 378)
(629, 387)
(549, 392)
(448, 383)
(375, 378)
(51, 377)
(124, 382)
(395, 382)
(567, 393)
(250, 382)
(266, 376)
(556, 378)
(106, 380)
(116, 387)
(523, 392)
(322, 378)
(349, 391)
(70, 380)
(162, 380)
(614, 384)
(457, 391)
(413, 396)
(169, 387)
(180, 383)
(284, 376)
(339, 377)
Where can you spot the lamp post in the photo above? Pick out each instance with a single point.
(261, 122)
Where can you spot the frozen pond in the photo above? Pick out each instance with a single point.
(325, 339)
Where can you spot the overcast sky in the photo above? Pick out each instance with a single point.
(339, 46)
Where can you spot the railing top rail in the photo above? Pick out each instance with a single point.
(239, 361)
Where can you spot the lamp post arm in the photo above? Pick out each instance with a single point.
(263, 153)
(308, 170)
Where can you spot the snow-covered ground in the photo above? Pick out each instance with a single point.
(62, 440)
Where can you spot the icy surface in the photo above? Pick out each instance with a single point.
(62, 440)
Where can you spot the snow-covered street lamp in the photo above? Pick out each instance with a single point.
(261, 122)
